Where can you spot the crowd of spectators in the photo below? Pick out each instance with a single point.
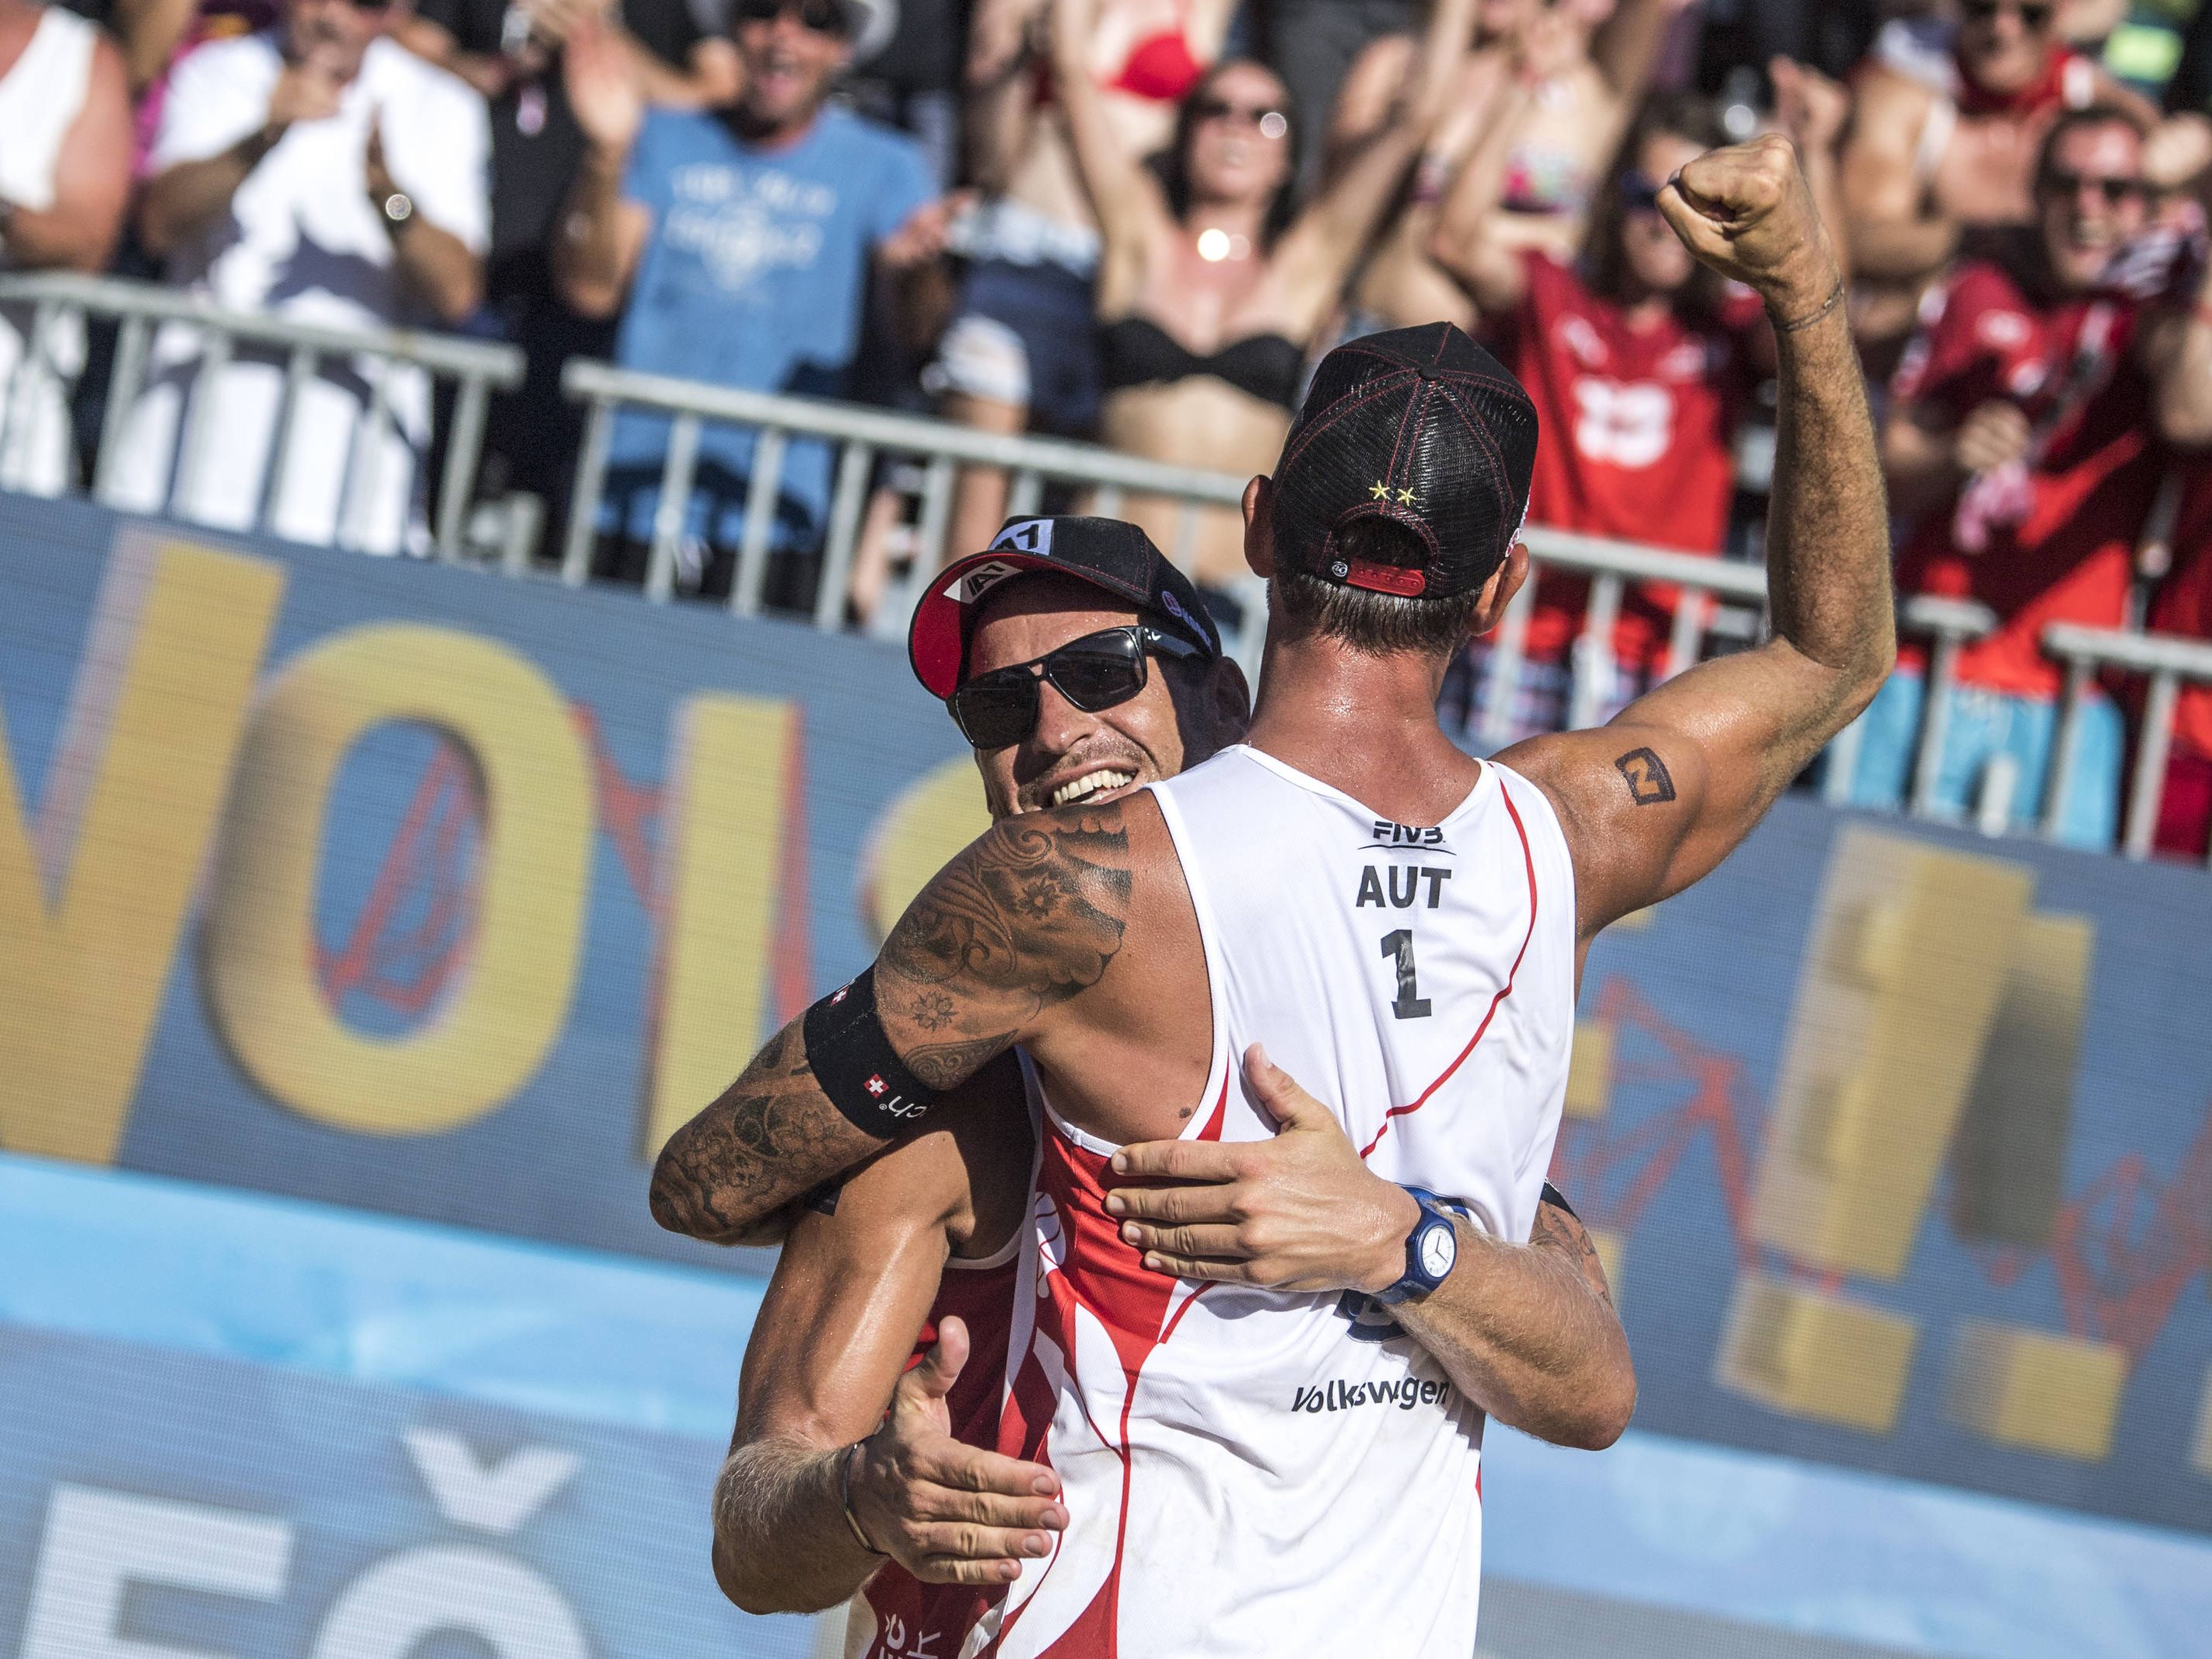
(1139, 221)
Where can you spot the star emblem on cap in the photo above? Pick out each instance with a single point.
(1380, 492)
(1406, 498)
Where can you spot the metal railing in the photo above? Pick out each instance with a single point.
(1717, 597)
(62, 302)
(862, 437)
(2168, 663)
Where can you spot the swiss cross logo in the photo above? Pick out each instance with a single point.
(840, 996)
(876, 1085)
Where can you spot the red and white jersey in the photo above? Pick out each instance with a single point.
(1638, 434)
(895, 1615)
(1253, 1473)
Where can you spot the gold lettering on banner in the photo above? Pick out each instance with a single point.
(509, 1009)
(92, 900)
(727, 812)
(1903, 977)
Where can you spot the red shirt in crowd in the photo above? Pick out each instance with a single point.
(1638, 431)
(2069, 364)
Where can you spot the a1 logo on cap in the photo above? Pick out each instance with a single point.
(1032, 535)
(980, 581)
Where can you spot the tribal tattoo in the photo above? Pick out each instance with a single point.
(1022, 921)
(771, 1136)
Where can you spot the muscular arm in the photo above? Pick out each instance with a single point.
(1528, 1333)
(828, 1352)
(832, 1333)
(1654, 801)
(1002, 939)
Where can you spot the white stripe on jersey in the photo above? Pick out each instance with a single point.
(1246, 1473)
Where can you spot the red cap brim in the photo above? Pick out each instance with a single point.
(937, 640)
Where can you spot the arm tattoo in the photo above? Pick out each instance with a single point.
(1023, 920)
(1649, 784)
(1559, 1229)
(1027, 917)
(771, 1136)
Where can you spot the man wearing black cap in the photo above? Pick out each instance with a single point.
(1255, 1464)
(924, 1239)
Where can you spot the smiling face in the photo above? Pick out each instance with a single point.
(788, 65)
(1239, 147)
(1184, 712)
(2089, 195)
(1655, 259)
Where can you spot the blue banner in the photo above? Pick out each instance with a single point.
(418, 890)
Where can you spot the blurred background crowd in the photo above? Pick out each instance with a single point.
(1138, 222)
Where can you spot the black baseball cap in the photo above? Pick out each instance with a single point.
(1420, 426)
(1107, 553)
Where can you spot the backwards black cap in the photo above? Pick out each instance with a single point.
(1420, 426)
(1106, 553)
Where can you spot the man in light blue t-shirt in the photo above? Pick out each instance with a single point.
(744, 240)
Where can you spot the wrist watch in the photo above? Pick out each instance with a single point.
(1431, 1251)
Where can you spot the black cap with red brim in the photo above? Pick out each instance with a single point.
(1108, 554)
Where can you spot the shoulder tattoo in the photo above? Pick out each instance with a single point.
(1033, 910)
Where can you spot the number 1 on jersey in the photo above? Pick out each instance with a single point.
(1408, 1004)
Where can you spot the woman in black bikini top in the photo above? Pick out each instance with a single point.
(1212, 284)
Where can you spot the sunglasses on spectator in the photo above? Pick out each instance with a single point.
(2034, 14)
(817, 16)
(1639, 192)
(1094, 673)
(1271, 121)
(2115, 190)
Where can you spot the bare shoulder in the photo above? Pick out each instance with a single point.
(1625, 794)
(1887, 110)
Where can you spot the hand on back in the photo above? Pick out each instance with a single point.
(947, 1512)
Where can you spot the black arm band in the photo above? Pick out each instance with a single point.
(1556, 1199)
(853, 1061)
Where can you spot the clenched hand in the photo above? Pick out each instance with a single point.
(1747, 211)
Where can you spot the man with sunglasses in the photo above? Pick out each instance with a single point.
(318, 170)
(1119, 683)
(1259, 1462)
(2023, 441)
(738, 246)
(1928, 164)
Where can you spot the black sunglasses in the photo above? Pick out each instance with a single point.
(2116, 190)
(2034, 13)
(1094, 672)
(820, 16)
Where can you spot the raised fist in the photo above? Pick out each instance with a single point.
(1747, 211)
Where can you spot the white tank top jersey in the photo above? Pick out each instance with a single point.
(1255, 1472)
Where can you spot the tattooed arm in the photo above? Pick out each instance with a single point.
(992, 952)
(1656, 799)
